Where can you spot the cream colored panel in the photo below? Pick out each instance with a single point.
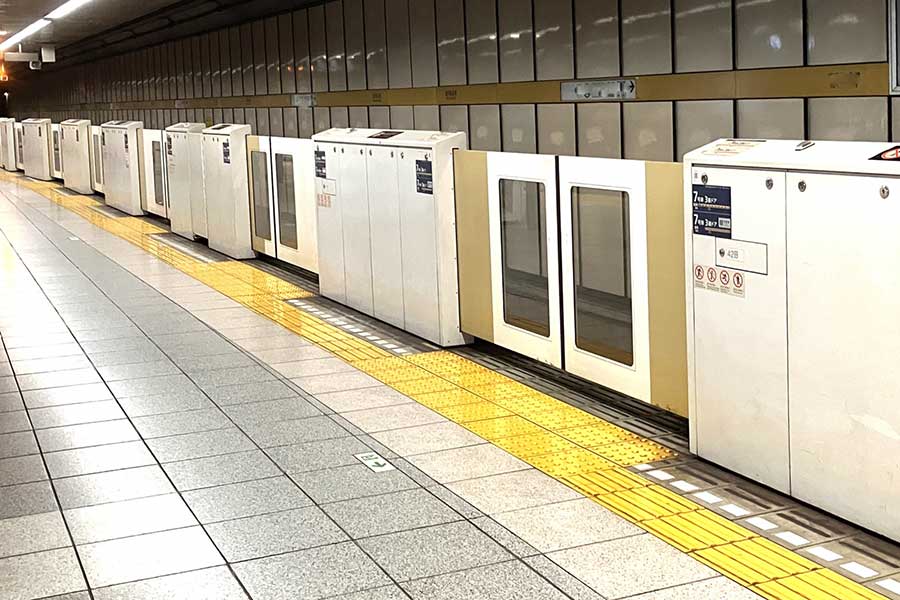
(782, 119)
(318, 54)
(337, 68)
(340, 117)
(597, 38)
(848, 119)
(376, 45)
(554, 51)
(423, 42)
(359, 117)
(895, 103)
(646, 37)
(600, 130)
(356, 44)
(702, 36)
(556, 129)
(399, 65)
(648, 129)
(472, 204)
(484, 121)
(516, 40)
(769, 34)
(322, 119)
(844, 31)
(519, 128)
(455, 118)
(301, 52)
(379, 117)
(427, 118)
(451, 41)
(305, 122)
(698, 123)
(481, 41)
(402, 117)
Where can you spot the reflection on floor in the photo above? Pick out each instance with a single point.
(161, 439)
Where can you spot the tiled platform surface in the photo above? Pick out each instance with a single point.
(160, 441)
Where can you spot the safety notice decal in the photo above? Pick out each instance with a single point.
(321, 172)
(723, 281)
(424, 177)
(712, 210)
(891, 154)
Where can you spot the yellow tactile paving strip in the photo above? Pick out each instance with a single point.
(574, 447)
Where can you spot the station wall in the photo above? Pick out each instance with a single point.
(440, 63)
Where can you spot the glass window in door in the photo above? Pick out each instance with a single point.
(259, 167)
(287, 205)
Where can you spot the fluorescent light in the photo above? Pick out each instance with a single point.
(33, 28)
(66, 8)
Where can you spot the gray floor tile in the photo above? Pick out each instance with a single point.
(566, 524)
(44, 365)
(216, 583)
(147, 556)
(76, 394)
(5, 367)
(196, 364)
(323, 454)
(389, 513)
(282, 433)
(505, 581)
(22, 469)
(313, 366)
(711, 589)
(272, 342)
(245, 499)
(321, 384)
(12, 422)
(107, 333)
(105, 352)
(504, 537)
(281, 355)
(11, 402)
(145, 353)
(467, 463)
(26, 499)
(51, 351)
(181, 422)
(42, 574)
(17, 444)
(427, 438)
(311, 574)
(455, 502)
(75, 414)
(346, 483)
(284, 409)
(32, 533)
(212, 379)
(112, 486)
(144, 406)
(87, 434)
(166, 384)
(199, 445)
(562, 579)
(433, 550)
(363, 399)
(274, 533)
(220, 470)
(393, 417)
(72, 596)
(8, 384)
(34, 340)
(630, 566)
(512, 491)
(127, 518)
(54, 379)
(250, 392)
(138, 370)
(112, 457)
(390, 592)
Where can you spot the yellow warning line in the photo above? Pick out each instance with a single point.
(578, 449)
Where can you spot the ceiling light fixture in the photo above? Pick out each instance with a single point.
(66, 8)
(33, 28)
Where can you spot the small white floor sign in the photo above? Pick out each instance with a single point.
(374, 462)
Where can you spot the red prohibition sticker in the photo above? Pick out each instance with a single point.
(698, 273)
(724, 277)
(711, 275)
(738, 281)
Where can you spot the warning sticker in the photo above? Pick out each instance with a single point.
(892, 154)
(321, 172)
(424, 177)
(226, 152)
(723, 281)
(732, 147)
(712, 210)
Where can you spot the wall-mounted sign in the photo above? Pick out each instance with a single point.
(599, 90)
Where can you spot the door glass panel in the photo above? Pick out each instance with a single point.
(287, 206)
(159, 196)
(259, 167)
(56, 158)
(98, 160)
(523, 248)
(602, 273)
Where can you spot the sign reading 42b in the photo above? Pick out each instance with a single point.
(712, 210)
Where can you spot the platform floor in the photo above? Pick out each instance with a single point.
(174, 425)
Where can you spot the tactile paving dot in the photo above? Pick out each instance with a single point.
(574, 461)
(475, 411)
(494, 429)
(453, 397)
(535, 444)
(630, 453)
(427, 385)
(597, 434)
